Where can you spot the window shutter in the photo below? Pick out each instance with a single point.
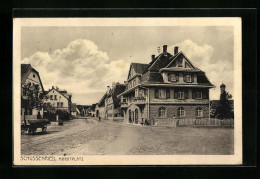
(175, 94)
(167, 93)
(205, 94)
(184, 78)
(193, 95)
(156, 93)
(177, 78)
(192, 78)
(186, 94)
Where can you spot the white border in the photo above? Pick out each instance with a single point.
(235, 159)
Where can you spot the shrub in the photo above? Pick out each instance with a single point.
(63, 115)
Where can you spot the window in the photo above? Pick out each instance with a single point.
(172, 77)
(180, 95)
(188, 78)
(162, 112)
(55, 97)
(181, 112)
(162, 93)
(124, 100)
(34, 75)
(24, 92)
(198, 95)
(199, 112)
(58, 104)
(134, 82)
(61, 104)
(180, 63)
(51, 97)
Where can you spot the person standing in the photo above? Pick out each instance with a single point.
(99, 118)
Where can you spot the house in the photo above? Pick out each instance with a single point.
(100, 107)
(84, 110)
(73, 109)
(170, 86)
(59, 99)
(112, 103)
(92, 110)
(29, 77)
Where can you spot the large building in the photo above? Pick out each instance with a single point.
(29, 77)
(170, 86)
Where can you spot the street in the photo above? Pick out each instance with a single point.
(88, 136)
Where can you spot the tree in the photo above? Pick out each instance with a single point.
(32, 98)
(224, 109)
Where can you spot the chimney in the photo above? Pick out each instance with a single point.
(153, 57)
(108, 88)
(175, 50)
(57, 88)
(165, 49)
(52, 87)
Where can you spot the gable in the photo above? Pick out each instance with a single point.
(181, 61)
(131, 72)
(58, 94)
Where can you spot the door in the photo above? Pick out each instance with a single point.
(130, 120)
(136, 116)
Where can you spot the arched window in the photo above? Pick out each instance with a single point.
(162, 112)
(199, 112)
(181, 112)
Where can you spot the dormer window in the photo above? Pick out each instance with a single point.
(188, 78)
(173, 77)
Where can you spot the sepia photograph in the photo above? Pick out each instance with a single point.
(127, 91)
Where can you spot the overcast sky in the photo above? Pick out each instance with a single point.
(84, 60)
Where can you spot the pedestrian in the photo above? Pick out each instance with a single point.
(39, 115)
(99, 118)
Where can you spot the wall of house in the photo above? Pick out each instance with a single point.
(171, 111)
(60, 98)
(175, 101)
(33, 78)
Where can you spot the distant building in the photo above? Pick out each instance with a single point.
(59, 99)
(100, 107)
(84, 110)
(29, 76)
(112, 103)
(170, 86)
(73, 109)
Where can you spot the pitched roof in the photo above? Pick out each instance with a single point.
(139, 67)
(102, 100)
(26, 70)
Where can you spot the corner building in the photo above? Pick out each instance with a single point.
(169, 87)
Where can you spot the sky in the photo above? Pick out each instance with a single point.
(85, 60)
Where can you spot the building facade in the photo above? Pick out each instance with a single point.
(59, 99)
(169, 87)
(31, 77)
(112, 103)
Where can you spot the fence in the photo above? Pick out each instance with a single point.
(194, 122)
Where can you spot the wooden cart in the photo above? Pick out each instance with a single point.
(31, 123)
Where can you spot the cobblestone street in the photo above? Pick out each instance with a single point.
(87, 136)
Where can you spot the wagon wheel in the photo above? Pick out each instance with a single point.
(44, 128)
(23, 130)
(30, 130)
